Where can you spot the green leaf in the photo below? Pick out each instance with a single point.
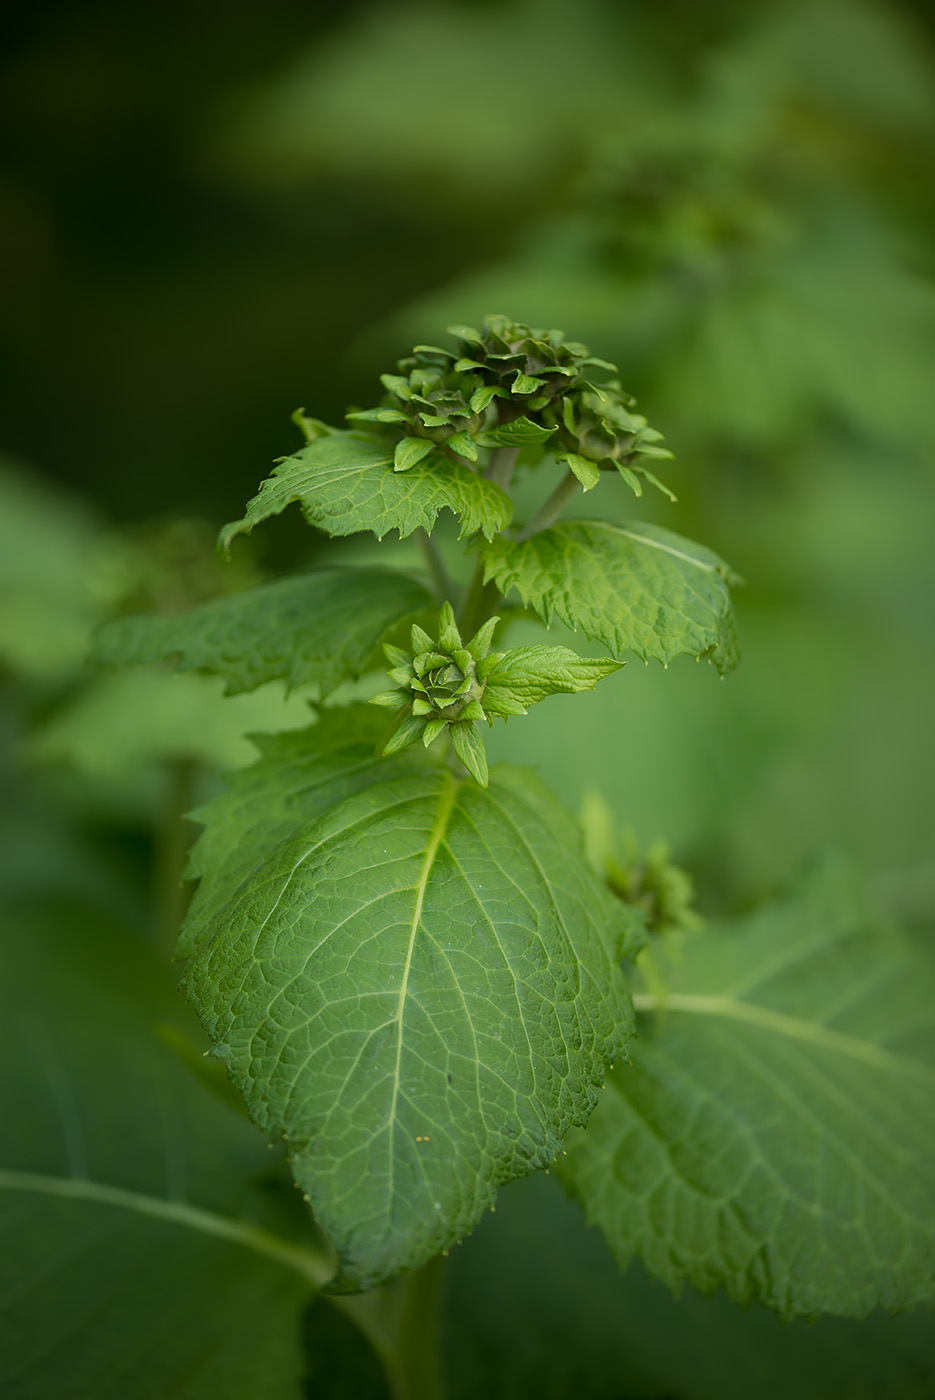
(317, 627)
(121, 723)
(631, 479)
(344, 485)
(151, 1244)
(522, 432)
(464, 445)
(775, 1133)
(634, 587)
(415, 982)
(526, 675)
(587, 472)
(469, 746)
(410, 450)
(312, 628)
(484, 396)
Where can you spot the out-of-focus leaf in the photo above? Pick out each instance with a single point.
(538, 1309)
(58, 572)
(336, 106)
(139, 1216)
(317, 628)
(123, 722)
(775, 1135)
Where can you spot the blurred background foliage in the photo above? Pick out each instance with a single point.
(207, 221)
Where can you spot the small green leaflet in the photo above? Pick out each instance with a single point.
(345, 484)
(523, 676)
(319, 627)
(586, 471)
(418, 987)
(634, 587)
(775, 1135)
(521, 432)
(140, 1254)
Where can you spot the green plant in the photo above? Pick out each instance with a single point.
(417, 972)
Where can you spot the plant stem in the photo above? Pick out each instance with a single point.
(172, 841)
(480, 601)
(401, 1322)
(500, 466)
(551, 509)
(441, 583)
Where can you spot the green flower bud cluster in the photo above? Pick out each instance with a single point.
(510, 385)
(544, 376)
(440, 685)
(431, 403)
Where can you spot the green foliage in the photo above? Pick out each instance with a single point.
(314, 629)
(633, 587)
(447, 686)
(417, 987)
(345, 484)
(774, 1134)
(147, 1234)
(415, 981)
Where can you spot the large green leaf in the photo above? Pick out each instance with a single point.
(634, 587)
(776, 1132)
(345, 484)
(313, 628)
(149, 1244)
(416, 983)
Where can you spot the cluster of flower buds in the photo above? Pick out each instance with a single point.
(510, 385)
(441, 684)
(430, 402)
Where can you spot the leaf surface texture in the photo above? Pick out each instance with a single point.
(775, 1134)
(634, 587)
(345, 484)
(414, 981)
(313, 628)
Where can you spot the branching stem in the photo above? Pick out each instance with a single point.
(551, 509)
(500, 466)
(480, 601)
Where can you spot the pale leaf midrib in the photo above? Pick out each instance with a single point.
(436, 837)
(316, 1269)
(812, 1032)
(661, 546)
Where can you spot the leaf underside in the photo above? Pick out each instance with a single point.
(345, 484)
(775, 1134)
(633, 587)
(313, 628)
(415, 983)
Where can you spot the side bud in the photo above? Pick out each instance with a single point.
(439, 688)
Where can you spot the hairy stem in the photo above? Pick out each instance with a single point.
(441, 583)
(401, 1323)
(551, 509)
(500, 466)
